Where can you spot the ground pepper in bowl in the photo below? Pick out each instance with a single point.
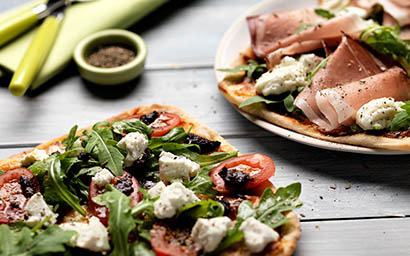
(110, 56)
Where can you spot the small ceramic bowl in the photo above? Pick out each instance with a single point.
(115, 75)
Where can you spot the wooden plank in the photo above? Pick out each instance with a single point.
(359, 237)
(52, 111)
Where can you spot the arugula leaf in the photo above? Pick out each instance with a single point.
(287, 102)
(107, 152)
(141, 249)
(145, 206)
(71, 138)
(131, 125)
(51, 240)
(202, 182)
(385, 39)
(401, 120)
(60, 189)
(252, 68)
(175, 135)
(120, 221)
(303, 27)
(2, 172)
(322, 64)
(324, 13)
(201, 209)
(202, 160)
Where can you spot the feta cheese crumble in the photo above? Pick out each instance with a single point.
(257, 235)
(172, 198)
(35, 155)
(176, 167)
(210, 232)
(287, 76)
(37, 210)
(92, 236)
(135, 144)
(103, 177)
(378, 113)
(156, 189)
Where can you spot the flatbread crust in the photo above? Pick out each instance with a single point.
(236, 93)
(289, 232)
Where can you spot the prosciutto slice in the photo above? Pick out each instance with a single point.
(350, 62)
(339, 105)
(270, 32)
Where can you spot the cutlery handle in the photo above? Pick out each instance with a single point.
(35, 55)
(14, 26)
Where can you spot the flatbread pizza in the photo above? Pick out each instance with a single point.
(153, 180)
(332, 73)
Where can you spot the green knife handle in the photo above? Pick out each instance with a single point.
(35, 56)
(14, 26)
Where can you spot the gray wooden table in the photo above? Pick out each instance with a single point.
(353, 204)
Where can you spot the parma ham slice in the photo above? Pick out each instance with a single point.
(350, 62)
(339, 105)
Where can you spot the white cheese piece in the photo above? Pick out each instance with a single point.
(210, 232)
(37, 210)
(56, 148)
(172, 198)
(160, 122)
(257, 235)
(35, 155)
(103, 177)
(287, 76)
(92, 236)
(378, 113)
(135, 144)
(341, 7)
(156, 190)
(176, 167)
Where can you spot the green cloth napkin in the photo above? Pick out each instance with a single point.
(81, 19)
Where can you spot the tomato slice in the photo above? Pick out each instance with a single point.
(103, 212)
(16, 187)
(258, 167)
(164, 244)
(164, 123)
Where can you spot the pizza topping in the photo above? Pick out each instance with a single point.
(149, 118)
(210, 232)
(234, 178)
(103, 177)
(125, 184)
(257, 235)
(37, 211)
(378, 114)
(164, 123)
(206, 145)
(35, 155)
(29, 185)
(156, 190)
(172, 198)
(92, 235)
(135, 144)
(176, 167)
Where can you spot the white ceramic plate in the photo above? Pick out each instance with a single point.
(236, 40)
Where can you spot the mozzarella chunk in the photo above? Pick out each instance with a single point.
(92, 236)
(37, 210)
(35, 155)
(172, 198)
(210, 232)
(135, 144)
(176, 167)
(156, 190)
(287, 76)
(103, 177)
(257, 235)
(378, 113)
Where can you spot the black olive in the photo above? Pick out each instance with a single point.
(28, 186)
(206, 145)
(149, 118)
(124, 184)
(234, 178)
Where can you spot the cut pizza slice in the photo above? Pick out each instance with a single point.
(151, 180)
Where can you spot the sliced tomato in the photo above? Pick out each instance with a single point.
(164, 245)
(102, 212)
(164, 123)
(258, 167)
(16, 187)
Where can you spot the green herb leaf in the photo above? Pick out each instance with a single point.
(385, 39)
(202, 182)
(71, 138)
(175, 135)
(401, 120)
(202, 160)
(322, 64)
(201, 209)
(145, 206)
(302, 27)
(51, 240)
(131, 125)
(120, 221)
(288, 102)
(252, 68)
(324, 13)
(257, 99)
(2, 172)
(141, 249)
